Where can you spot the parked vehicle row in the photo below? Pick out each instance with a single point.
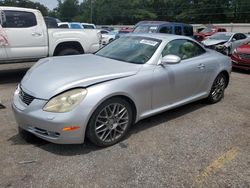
(29, 39)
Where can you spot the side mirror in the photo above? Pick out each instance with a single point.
(170, 59)
(233, 39)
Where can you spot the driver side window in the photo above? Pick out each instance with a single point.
(183, 48)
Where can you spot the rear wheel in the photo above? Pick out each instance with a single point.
(69, 51)
(110, 122)
(218, 88)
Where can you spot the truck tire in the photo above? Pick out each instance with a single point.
(69, 51)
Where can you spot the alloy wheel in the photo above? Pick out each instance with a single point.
(111, 122)
(218, 88)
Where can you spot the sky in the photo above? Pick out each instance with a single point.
(49, 3)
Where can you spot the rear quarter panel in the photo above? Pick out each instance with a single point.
(87, 38)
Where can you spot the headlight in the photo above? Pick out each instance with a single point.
(220, 46)
(65, 102)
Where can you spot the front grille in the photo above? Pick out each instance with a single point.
(245, 56)
(45, 132)
(26, 98)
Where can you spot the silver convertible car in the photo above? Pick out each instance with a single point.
(64, 99)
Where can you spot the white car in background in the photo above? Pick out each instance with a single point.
(225, 42)
(88, 26)
(109, 37)
(70, 25)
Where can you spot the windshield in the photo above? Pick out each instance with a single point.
(221, 36)
(206, 30)
(130, 49)
(146, 29)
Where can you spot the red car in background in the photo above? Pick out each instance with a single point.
(241, 57)
(125, 30)
(206, 32)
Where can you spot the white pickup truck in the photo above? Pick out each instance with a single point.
(28, 39)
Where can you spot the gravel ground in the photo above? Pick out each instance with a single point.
(197, 145)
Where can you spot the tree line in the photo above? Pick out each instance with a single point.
(131, 11)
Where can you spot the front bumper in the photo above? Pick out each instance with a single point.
(47, 125)
(241, 64)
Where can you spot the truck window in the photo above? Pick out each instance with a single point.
(166, 29)
(75, 26)
(88, 26)
(19, 19)
(63, 26)
(177, 30)
(188, 31)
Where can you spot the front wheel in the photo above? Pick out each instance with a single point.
(110, 122)
(218, 88)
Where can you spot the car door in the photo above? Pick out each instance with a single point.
(3, 43)
(183, 81)
(26, 38)
(236, 41)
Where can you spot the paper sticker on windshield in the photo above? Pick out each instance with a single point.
(149, 42)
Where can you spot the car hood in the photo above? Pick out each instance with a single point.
(210, 42)
(244, 49)
(52, 76)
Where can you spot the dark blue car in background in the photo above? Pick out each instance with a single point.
(164, 27)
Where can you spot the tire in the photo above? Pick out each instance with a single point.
(27, 136)
(110, 122)
(217, 90)
(110, 40)
(69, 51)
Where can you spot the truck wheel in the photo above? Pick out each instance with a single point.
(69, 51)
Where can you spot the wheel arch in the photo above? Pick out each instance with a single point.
(120, 96)
(226, 74)
(68, 44)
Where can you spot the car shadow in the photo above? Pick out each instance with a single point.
(87, 147)
(12, 76)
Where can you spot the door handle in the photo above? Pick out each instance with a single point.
(201, 66)
(36, 34)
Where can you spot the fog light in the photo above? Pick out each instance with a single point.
(71, 128)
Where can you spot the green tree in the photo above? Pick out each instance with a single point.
(26, 4)
(68, 9)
